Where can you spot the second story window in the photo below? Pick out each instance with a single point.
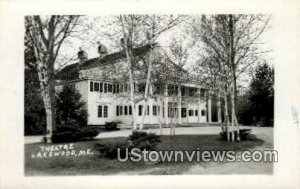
(91, 86)
(96, 86)
(109, 88)
(105, 87)
(101, 87)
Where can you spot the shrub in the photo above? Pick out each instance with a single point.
(243, 134)
(73, 134)
(111, 126)
(110, 150)
(143, 140)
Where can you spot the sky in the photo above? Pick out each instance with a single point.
(91, 29)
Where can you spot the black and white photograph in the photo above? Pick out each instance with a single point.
(128, 96)
(148, 94)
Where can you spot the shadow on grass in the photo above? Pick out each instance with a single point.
(96, 165)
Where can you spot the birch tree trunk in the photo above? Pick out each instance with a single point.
(166, 105)
(179, 105)
(160, 115)
(128, 50)
(227, 117)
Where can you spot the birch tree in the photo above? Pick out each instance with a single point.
(47, 34)
(234, 40)
(135, 30)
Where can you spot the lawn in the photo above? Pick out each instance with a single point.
(96, 165)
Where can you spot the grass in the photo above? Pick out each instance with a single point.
(96, 165)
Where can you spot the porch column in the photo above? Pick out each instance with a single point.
(209, 108)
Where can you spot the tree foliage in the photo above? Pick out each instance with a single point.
(70, 108)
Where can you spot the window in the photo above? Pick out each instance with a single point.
(101, 87)
(118, 88)
(114, 89)
(182, 91)
(203, 113)
(96, 86)
(183, 112)
(192, 91)
(191, 112)
(148, 110)
(109, 88)
(154, 110)
(105, 87)
(99, 111)
(140, 109)
(171, 90)
(196, 112)
(141, 87)
(105, 111)
(91, 86)
(121, 110)
(130, 110)
(163, 111)
(202, 92)
(125, 110)
(121, 88)
(117, 110)
(126, 88)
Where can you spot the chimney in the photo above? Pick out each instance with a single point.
(102, 50)
(122, 41)
(82, 55)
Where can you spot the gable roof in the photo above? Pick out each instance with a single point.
(71, 72)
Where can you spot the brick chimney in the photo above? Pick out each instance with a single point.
(102, 50)
(82, 55)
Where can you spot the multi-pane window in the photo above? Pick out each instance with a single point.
(114, 89)
(183, 112)
(130, 110)
(191, 112)
(148, 110)
(121, 110)
(202, 92)
(140, 109)
(196, 112)
(105, 87)
(192, 91)
(109, 88)
(117, 109)
(182, 91)
(154, 108)
(105, 111)
(125, 110)
(96, 86)
(203, 113)
(118, 88)
(102, 111)
(99, 111)
(121, 88)
(101, 87)
(91, 86)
